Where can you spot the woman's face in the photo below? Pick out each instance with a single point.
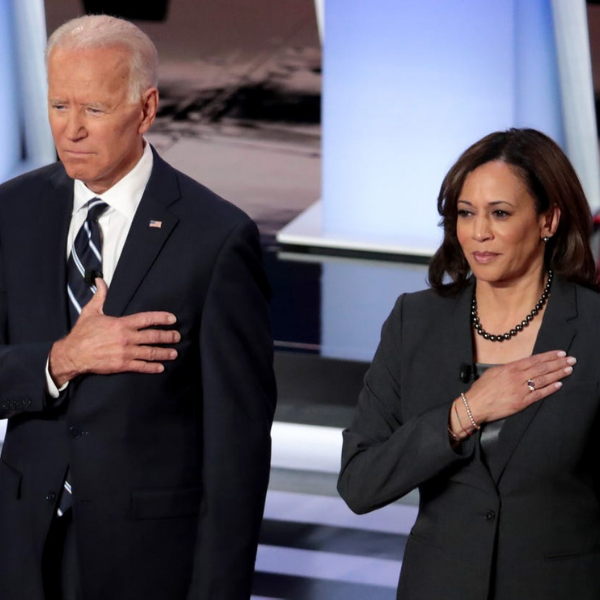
(497, 226)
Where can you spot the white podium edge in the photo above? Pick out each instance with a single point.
(306, 231)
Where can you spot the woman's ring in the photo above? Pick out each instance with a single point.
(531, 385)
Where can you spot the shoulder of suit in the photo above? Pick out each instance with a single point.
(587, 298)
(41, 177)
(429, 300)
(423, 309)
(566, 292)
(197, 195)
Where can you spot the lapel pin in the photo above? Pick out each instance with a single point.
(155, 224)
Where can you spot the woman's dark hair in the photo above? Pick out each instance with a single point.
(551, 181)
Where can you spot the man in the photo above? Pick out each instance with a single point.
(136, 458)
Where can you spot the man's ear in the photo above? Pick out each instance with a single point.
(149, 105)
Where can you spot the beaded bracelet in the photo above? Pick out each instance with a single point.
(467, 433)
(469, 413)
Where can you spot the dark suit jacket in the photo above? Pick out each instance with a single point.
(529, 526)
(169, 471)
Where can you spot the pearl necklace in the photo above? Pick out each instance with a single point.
(518, 328)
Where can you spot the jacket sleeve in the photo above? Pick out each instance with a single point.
(22, 367)
(384, 455)
(236, 353)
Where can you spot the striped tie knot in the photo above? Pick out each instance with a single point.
(85, 260)
(95, 208)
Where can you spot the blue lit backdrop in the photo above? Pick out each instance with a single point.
(408, 86)
(10, 120)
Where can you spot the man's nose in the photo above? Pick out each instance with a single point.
(75, 126)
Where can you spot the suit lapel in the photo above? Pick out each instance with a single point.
(150, 229)
(461, 339)
(52, 226)
(556, 333)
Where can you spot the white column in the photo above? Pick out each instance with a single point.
(575, 68)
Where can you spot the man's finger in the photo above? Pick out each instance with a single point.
(152, 337)
(140, 366)
(154, 354)
(150, 319)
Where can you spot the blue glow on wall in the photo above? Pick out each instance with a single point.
(408, 86)
(351, 329)
(10, 148)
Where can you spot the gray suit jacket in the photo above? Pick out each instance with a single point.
(529, 525)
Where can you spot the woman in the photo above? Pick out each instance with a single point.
(484, 391)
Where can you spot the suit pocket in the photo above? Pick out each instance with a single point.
(419, 539)
(571, 555)
(10, 480)
(161, 504)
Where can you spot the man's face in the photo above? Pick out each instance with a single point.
(96, 127)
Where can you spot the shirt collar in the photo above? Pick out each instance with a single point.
(126, 194)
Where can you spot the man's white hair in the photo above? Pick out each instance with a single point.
(103, 31)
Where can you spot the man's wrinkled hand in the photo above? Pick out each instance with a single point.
(101, 344)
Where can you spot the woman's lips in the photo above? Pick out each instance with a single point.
(484, 257)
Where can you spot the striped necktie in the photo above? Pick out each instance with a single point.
(83, 266)
(85, 260)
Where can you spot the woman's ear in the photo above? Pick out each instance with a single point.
(551, 219)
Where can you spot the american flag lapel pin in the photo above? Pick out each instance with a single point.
(155, 224)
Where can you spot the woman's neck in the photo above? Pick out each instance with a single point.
(503, 299)
(500, 308)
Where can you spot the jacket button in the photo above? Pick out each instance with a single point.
(490, 515)
(50, 496)
(75, 432)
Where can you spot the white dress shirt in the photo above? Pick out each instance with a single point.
(123, 199)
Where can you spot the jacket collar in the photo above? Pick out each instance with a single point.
(53, 217)
(151, 227)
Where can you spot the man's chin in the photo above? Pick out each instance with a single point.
(74, 169)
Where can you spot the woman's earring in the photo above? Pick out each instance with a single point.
(545, 239)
